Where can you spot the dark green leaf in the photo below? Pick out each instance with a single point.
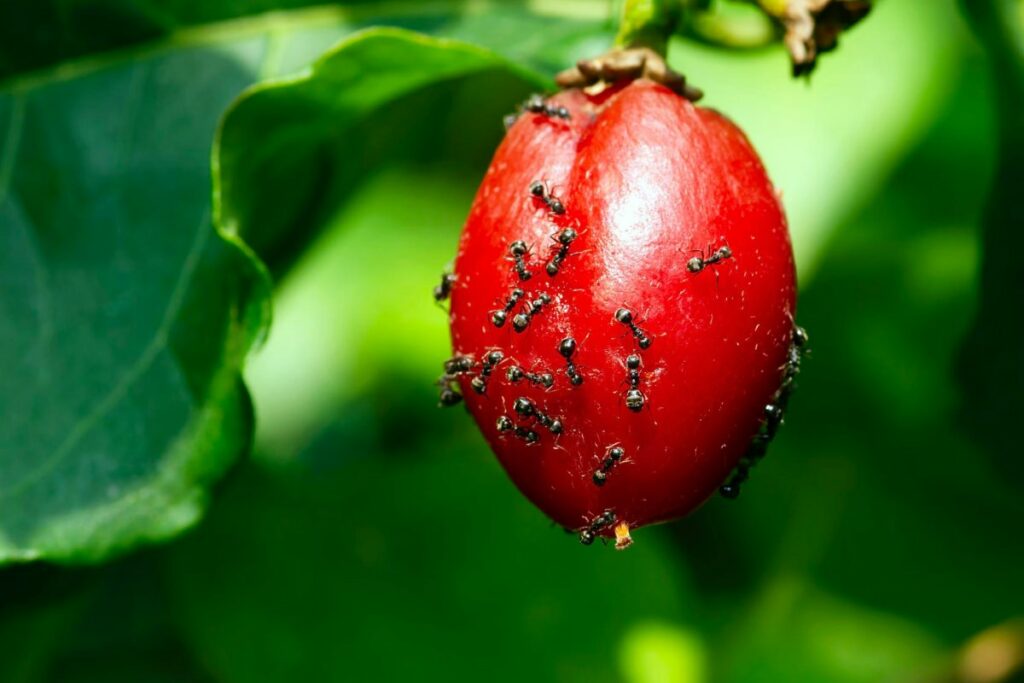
(46, 32)
(125, 317)
(38, 34)
(43, 33)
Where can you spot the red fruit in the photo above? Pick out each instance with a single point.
(654, 188)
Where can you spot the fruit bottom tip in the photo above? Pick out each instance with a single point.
(622, 538)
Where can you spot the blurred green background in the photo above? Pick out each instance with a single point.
(369, 536)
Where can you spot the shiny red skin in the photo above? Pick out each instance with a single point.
(649, 181)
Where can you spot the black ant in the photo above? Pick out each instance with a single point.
(697, 263)
(775, 410)
(458, 365)
(453, 367)
(625, 316)
(793, 359)
(634, 397)
(800, 337)
(544, 379)
(564, 238)
(773, 415)
(518, 249)
(521, 320)
(602, 521)
(528, 408)
(538, 190)
(501, 316)
(504, 424)
(536, 105)
(757, 450)
(479, 383)
(444, 290)
(614, 456)
(567, 348)
(448, 396)
(731, 489)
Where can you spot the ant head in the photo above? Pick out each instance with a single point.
(800, 337)
(634, 399)
(567, 347)
(524, 406)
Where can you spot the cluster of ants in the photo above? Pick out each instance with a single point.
(773, 414)
(634, 399)
(536, 104)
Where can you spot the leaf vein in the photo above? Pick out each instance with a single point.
(145, 360)
(12, 141)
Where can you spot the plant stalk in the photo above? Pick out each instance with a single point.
(647, 23)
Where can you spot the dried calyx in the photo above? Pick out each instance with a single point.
(813, 26)
(627, 64)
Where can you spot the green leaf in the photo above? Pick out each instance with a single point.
(125, 316)
(290, 151)
(38, 34)
(44, 33)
